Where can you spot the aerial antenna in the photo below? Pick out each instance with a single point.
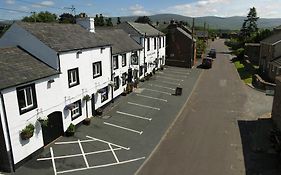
(72, 9)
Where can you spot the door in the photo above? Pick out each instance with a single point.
(93, 101)
(53, 129)
(130, 75)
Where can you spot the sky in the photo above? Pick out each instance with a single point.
(16, 9)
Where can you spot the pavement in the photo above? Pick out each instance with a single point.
(219, 131)
(121, 140)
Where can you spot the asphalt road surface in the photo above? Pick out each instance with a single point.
(205, 139)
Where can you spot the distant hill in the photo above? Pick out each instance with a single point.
(229, 23)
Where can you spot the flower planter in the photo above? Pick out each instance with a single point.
(26, 135)
(70, 130)
(69, 133)
(124, 93)
(99, 111)
(87, 121)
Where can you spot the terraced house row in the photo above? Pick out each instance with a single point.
(47, 70)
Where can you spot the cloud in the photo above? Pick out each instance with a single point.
(224, 8)
(10, 1)
(43, 4)
(138, 10)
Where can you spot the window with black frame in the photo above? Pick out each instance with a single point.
(116, 83)
(76, 110)
(134, 58)
(124, 60)
(26, 98)
(124, 79)
(104, 94)
(115, 62)
(73, 77)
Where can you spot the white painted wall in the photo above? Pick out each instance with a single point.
(48, 101)
(88, 84)
(2, 118)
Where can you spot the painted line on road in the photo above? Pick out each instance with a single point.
(167, 82)
(175, 72)
(104, 141)
(162, 86)
(72, 142)
(174, 79)
(132, 115)
(101, 166)
(124, 128)
(145, 106)
(154, 98)
(173, 76)
(78, 155)
(83, 154)
(53, 160)
(116, 158)
(153, 90)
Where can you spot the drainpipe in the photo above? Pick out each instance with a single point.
(111, 71)
(10, 156)
(144, 51)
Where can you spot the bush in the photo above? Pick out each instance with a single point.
(239, 53)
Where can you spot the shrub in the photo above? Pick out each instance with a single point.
(27, 132)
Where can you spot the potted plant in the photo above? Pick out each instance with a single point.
(43, 121)
(27, 132)
(87, 120)
(162, 67)
(142, 80)
(70, 130)
(99, 111)
(136, 83)
(124, 93)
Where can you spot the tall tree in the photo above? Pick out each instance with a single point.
(249, 27)
(41, 17)
(67, 18)
(109, 22)
(99, 20)
(143, 19)
(118, 20)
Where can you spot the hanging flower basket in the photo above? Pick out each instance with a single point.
(43, 121)
(27, 132)
(86, 98)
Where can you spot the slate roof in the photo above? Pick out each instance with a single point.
(272, 39)
(145, 29)
(63, 37)
(276, 62)
(185, 33)
(18, 67)
(120, 40)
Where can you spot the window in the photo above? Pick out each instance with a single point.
(124, 60)
(155, 43)
(97, 69)
(163, 41)
(141, 70)
(115, 62)
(116, 83)
(159, 42)
(26, 98)
(104, 94)
(76, 110)
(134, 58)
(148, 44)
(124, 78)
(73, 77)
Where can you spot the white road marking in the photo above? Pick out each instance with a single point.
(101, 166)
(116, 158)
(77, 155)
(162, 86)
(53, 160)
(121, 127)
(154, 98)
(83, 154)
(132, 115)
(167, 78)
(167, 93)
(126, 148)
(169, 75)
(136, 104)
(167, 82)
(72, 142)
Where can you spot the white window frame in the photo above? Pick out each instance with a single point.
(27, 106)
(76, 111)
(73, 77)
(97, 71)
(124, 60)
(115, 62)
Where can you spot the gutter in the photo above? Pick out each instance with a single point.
(11, 157)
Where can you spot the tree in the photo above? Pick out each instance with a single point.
(99, 20)
(67, 18)
(118, 20)
(109, 22)
(41, 17)
(249, 27)
(143, 19)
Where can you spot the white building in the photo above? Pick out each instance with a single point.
(81, 64)
(153, 41)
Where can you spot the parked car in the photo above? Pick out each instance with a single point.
(212, 53)
(207, 62)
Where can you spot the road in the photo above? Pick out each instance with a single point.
(205, 139)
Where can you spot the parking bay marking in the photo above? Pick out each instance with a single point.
(167, 78)
(136, 104)
(154, 98)
(132, 115)
(162, 86)
(173, 76)
(167, 82)
(124, 128)
(153, 90)
(83, 154)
